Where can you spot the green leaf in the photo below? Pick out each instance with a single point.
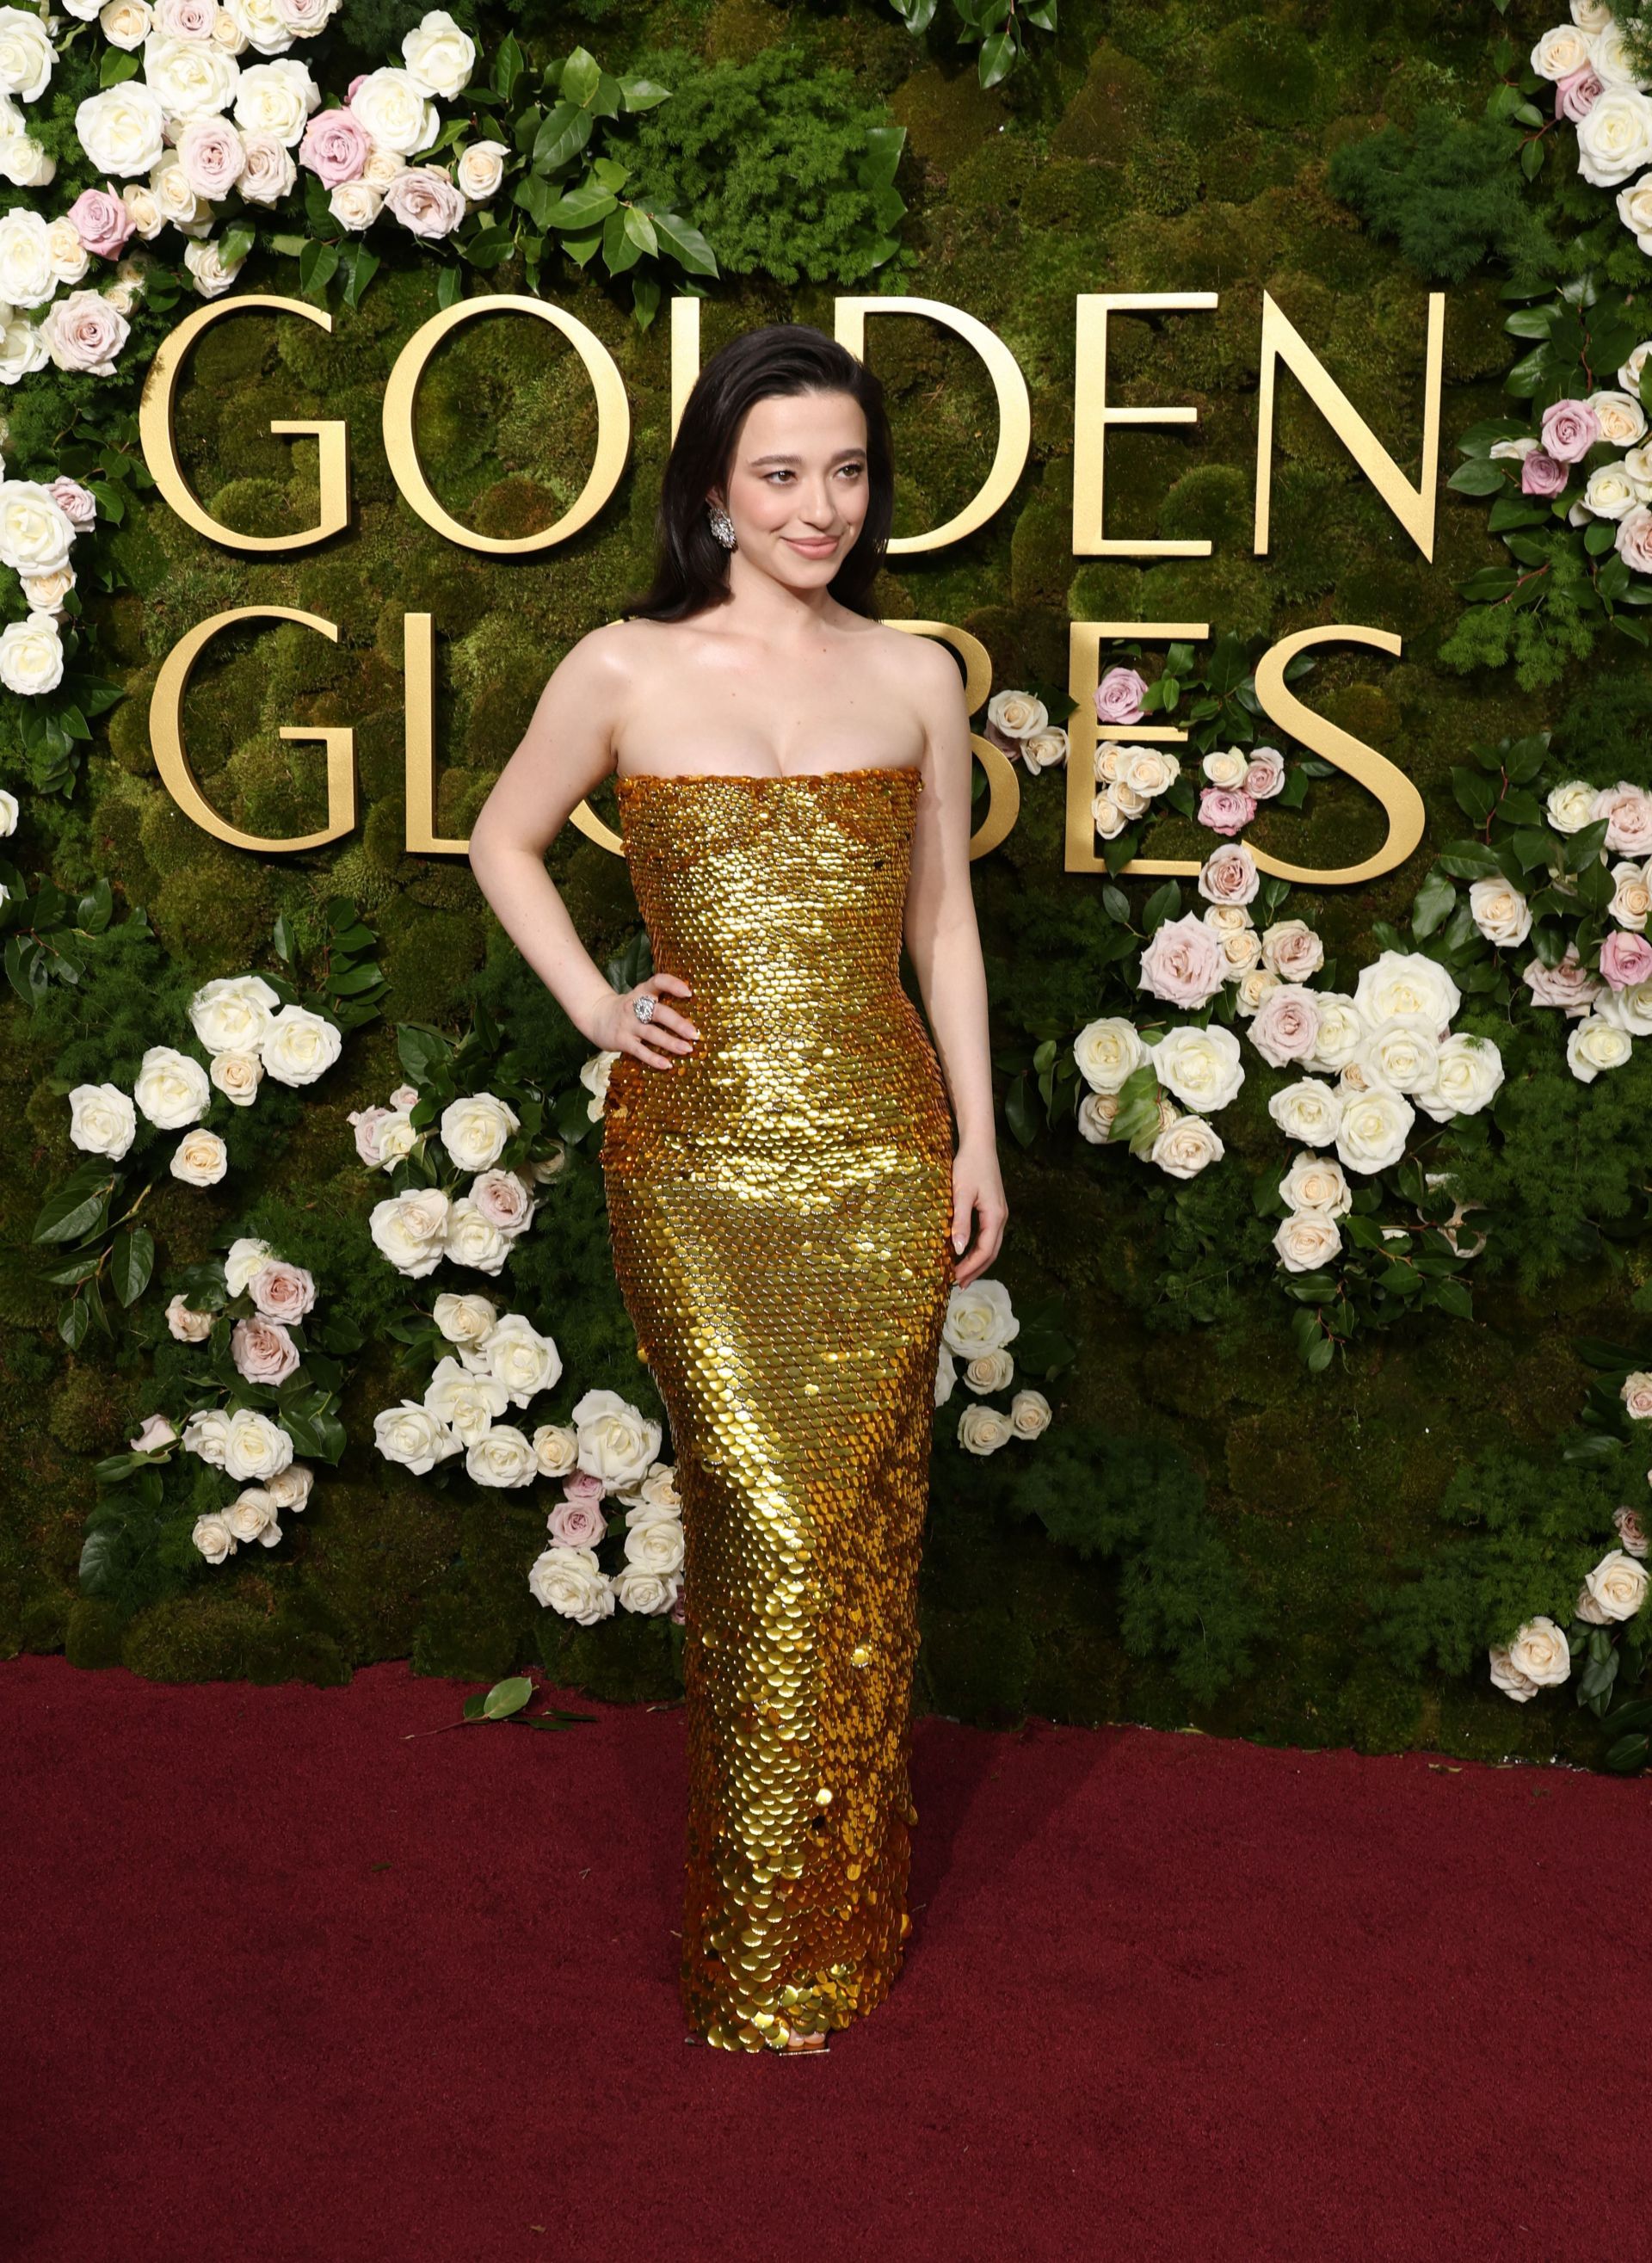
(1019, 1112)
(507, 1697)
(75, 1208)
(565, 132)
(1432, 903)
(581, 75)
(643, 93)
(685, 244)
(1480, 475)
(131, 1263)
(508, 66)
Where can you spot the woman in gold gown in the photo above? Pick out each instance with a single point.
(787, 1209)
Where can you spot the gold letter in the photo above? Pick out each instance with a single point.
(1413, 507)
(1004, 802)
(1092, 415)
(1014, 411)
(158, 441)
(166, 735)
(1392, 788)
(1084, 729)
(418, 667)
(613, 424)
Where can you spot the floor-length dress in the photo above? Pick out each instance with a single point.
(780, 1205)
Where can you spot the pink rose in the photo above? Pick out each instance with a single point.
(1577, 94)
(1183, 962)
(186, 19)
(335, 147)
(1286, 1025)
(1625, 959)
(1632, 538)
(156, 1432)
(503, 1200)
(83, 332)
(425, 201)
(582, 1485)
(1228, 875)
(210, 157)
(263, 1350)
(1628, 812)
(1631, 1531)
(76, 504)
(1570, 430)
(1569, 985)
(1265, 774)
(282, 1291)
(577, 1524)
(1542, 473)
(1223, 811)
(1119, 695)
(366, 1123)
(101, 221)
(405, 1096)
(349, 91)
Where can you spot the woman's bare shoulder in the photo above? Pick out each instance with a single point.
(920, 664)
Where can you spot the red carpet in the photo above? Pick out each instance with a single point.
(283, 1987)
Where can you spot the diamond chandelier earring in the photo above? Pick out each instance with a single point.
(722, 526)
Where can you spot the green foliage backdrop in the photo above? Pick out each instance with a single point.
(1208, 1532)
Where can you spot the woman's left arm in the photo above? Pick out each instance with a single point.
(945, 945)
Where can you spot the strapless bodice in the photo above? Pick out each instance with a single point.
(781, 900)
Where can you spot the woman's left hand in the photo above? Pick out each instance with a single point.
(977, 1199)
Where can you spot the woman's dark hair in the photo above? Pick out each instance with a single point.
(691, 568)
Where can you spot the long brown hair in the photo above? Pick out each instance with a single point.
(691, 566)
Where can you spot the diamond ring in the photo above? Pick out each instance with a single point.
(644, 1007)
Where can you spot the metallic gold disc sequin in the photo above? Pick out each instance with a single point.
(780, 1204)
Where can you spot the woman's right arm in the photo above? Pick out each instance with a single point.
(564, 753)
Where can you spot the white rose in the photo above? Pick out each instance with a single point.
(1185, 1147)
(410, 1229)
(70, 259)
(1636, 1391)
(983, 1429)
(397, 1138)
(1571, 806)
(48, 591)
(254, 1446)
(189, 78)
(356, 204)
(1374, 1128)
(1307, 1239)
(1308, 1110)
(1616, 1588)
(415, 1438)
(655, 1544)
(556, 1445)
(438, 54)
(1315, 1182)
(260, 24)
(31, 655)
(1202, 1067)
(1505, 1677)
(1107, 816)
(102, 1120)
(1045, 748)
(1501, 913)
(200, 1158)
(1621, 417)
(213, 1536)
(396, 110)
(290, 1488)
(207, 270)
(1541, 1651)
(247, 1256)
(476, 1130)
(524, 1361)
(122, 130)
(656, 1495)
(237, 1076)
(978, 1318)
(1147, 770)
(1609, 492)
(22, 348)
(231, 1014)
(946, 1376)
(1469, 1073)
(1406, 982)
(300, 1045)
(1614, 137)
(991, 1371)
(473, 1239)
(36, 533)
(480, 172)
(594, 1076)
(276, 98)
(206, 1432)
(1560, 52)
(1096, 1112)
(569, 1581)
(465, 1320)
(1401, 1053)
(1029, 1414)
(171, 1088)
(26, 53)
(469, 1404)
(1226, 767)
(1629, 1010)
(251, 1515)
(1597, 1043)
(503, 1456)
(27, 274)
(10, 810)
(649, 1592)
(616, 1443)
(1017, 714)
(1107, 1052)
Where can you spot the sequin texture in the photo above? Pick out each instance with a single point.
(780, 1206)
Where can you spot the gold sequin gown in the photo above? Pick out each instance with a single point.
(780, 1205)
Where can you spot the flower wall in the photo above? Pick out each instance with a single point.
(1309, 1401)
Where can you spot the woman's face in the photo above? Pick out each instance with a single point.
(797, 489)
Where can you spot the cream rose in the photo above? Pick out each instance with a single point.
(213, 1536)
(978, 1318)
(300, 1045)
(1147, 770)
(1309, 1111)
(1615, 1590)
(251, 1515)
(1227, 768)
(655, 1544)
(501, 1456)
(1307, 1239)
(991, 1370)
(650, 1594)
(617, 1443)
(1541, 1651)
(1029, 1413)
(556, 1445)
(1315, 1182)
(200, 1158)
(237, 1076)
(410, 1229)
(1632, 896)
(211, 276)
(569, 1581)
(1017, 714)
(1401, 1053)
(476, 1130)
(1096, 1112)
(1501, 913)
(1184, 1149)
(1107, 1051)
(414, 1436)
(1636, 1394)
(983, 1429)
(254, 1446)
(466, 1321)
